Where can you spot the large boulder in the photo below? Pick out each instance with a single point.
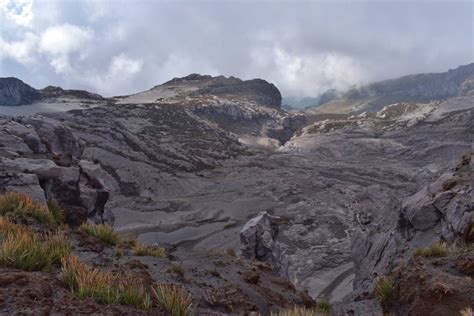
(258, 241)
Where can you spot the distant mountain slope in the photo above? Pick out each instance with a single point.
(14, 92)
(194, 88)
(412, 88)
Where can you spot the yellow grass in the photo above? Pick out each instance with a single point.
(173, 299)
(145, 250)
(23, 250)
(104, 286)
(20, 205)
(438, 249)
(301, 311)
(104, 232)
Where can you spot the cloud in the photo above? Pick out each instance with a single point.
(303, 47)
(123, 66)
(18, 11)
(61, 40)
(309, 74)
(22, 51)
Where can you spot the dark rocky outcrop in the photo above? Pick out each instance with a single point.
(258, 241)
(15, 92)
(55, 92)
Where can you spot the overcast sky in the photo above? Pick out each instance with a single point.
(119, 47)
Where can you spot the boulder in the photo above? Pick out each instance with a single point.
(258, 241)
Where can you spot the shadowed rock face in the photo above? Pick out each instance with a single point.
(15, 92)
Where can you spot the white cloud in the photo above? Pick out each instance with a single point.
(18, 11)
(123, 67)
(309, 75)
(64, 39)
(117, 76)
(61, 40)
(22, 51)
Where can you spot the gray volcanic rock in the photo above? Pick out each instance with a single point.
(56, 92)
(412, 88)
(442, 210)
(258, 241)
(181, 167)
(256, 90)
(15, 92)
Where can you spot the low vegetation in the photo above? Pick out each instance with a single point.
(176, 269)
(57, 212)
(103, 286)
(302, 311)
(383, 289)
(24, 249)
(146, 250)
(21, 206)
(57, 247)
(466, 312)
(438, 249)
(103, 232)
(324, 306)
(173, 299)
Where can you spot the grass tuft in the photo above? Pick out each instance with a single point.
(57, 212)
(22, 249)
(173, 299)
(301, 311)
(466, 311)
(324, 306)
(438, 249)
(57, 247)
(22, 206)
(103, 286)
(104, 232)
(383, 289)
(177, 269)
(145, 250)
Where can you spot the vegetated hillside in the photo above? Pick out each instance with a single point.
(413, 88)
(47, 267)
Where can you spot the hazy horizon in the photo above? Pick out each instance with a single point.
(123, 47)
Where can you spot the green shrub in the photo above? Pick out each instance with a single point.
(173, 299)
(104, 232)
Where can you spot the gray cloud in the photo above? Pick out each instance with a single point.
(118, 47)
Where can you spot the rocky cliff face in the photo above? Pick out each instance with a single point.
(15, 92)
(414, 88)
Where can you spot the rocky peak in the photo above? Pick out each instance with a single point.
(13, 92)
(54, 92)
(196, 88)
